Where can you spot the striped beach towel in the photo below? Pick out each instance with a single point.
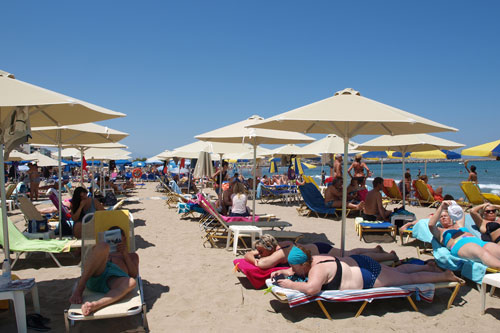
(295, 298)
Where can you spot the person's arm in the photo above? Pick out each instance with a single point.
(433, 221)
(285, 272)
(478, 220)
(97, 204)
(366, 168)
(76, 215)
(214, 176)
(465, 165)
(380, 208)
(349, 170)
(315, 281)
(131, 259)
(271, 261)
(250, 256)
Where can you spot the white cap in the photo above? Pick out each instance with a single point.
(455, 211)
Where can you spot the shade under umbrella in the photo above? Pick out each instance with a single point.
(348, 114)
(241, 133)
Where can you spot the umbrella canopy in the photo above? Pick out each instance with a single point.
(289, 150)
(490, 149)
(203, 166)
(47, 108)
(192, 150)
(43, 160)
(348, 114)
(437, 154)
(44, 108)
(408, 143)
(75, 134)
(18, 156)
(240, 132)
(96, 153)
(330, 144)
(261, 153)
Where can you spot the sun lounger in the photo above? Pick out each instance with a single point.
(256, 275)
(364, 227)
(217, 228)
(424, 194)
(314, 202)
(475, 196)
(19, 244)
(9, 190)
(492, 198)
(277, 192)
(29, 210)
(422, 291)
(391, 190)
(134, 302)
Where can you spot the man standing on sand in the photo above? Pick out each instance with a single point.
(374, 210)
(110, 273)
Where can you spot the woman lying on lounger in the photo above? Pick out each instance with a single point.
(458, 240)
(485, 217)
(269, 253)
(354, 272)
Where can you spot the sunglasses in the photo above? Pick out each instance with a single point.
(489, 211)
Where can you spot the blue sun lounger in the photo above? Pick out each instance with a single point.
(314, 201)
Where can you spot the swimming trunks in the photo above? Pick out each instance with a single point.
(463, 241)
(337, 279)
(370, 270)
(329, 204)
(100, 283)
(368, 217)
(323, 248)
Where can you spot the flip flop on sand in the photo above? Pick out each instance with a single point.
(37, 322)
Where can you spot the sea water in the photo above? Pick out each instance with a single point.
(447, 175)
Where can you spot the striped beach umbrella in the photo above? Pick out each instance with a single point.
(437, 154)
(273, 167)
(490, 149)
(299, 166)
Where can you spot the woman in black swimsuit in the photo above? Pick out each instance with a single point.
(355, 272)
(269, 253)
(485, 217)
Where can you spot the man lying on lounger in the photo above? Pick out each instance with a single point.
(112, 273)
(354, 272)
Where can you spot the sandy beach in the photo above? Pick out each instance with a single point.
(190, 288)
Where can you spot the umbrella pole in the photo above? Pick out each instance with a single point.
(254, 177)
(5, 225)
(425, 167)
(344, 195)
(59, 187)
(81, 167)
(404, 181)
(382, 167)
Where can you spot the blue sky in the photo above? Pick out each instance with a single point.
(181, 68)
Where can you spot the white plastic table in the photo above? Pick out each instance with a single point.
(17, 296)
(242, 230)
(494, 281)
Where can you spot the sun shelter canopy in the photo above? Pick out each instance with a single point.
(490, 149)
(43, 161)
(75, 134)
(106, 154)
(437, 154)
(348, 114)
(18, 156)
(47, 108)
(193, 150)
(261, 152)
(240, 133)
(289, 150)
(331, 144)
(409, 143)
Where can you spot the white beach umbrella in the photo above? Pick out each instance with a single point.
(44, 160)
(289, 150)
(44, 108)
(241, 133)
(330, 144)
(18, 156)
(348, 114)
(408, 143)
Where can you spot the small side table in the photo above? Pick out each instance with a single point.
(494, 281)
(242, 230)
(10, 204)
(15, 292)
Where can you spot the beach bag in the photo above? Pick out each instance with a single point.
(110, 199)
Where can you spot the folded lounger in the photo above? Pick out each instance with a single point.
(423, 291)
(131, 304)
(19, 244)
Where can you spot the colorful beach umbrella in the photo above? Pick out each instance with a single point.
(437, 154)
(348, 114)
(300, 166)
(489, 149)
(273, 166)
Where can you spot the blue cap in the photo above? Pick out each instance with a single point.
(296, 256)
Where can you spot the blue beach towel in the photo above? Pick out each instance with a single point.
(470, 269)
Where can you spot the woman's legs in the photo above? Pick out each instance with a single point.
(390, 277)
(476, 252)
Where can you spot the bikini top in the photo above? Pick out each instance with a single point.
(492, 226)
(448, 234)
(335, 283)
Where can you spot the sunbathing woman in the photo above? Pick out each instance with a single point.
(485, 217)
(458, 240)
(269, 253)
(354, 272)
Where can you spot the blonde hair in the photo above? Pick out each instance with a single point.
(268, 242)
(238, 188)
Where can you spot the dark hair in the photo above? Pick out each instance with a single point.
(377, 181)
(75, 200)
(448, 197)
(117, 227)
(225, 164)
(408, 175)
(473, 168)
(106, 179)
